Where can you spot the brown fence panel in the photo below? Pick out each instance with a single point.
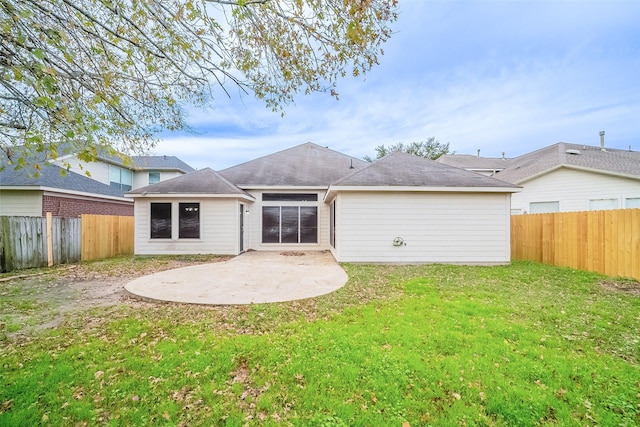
(106, 236)
(606, 242)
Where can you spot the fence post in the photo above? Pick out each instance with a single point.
(49, 239)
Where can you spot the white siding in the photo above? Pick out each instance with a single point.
(462, 228)
(141, 178)
(20, 203)
(253, 224)
(574, 189)
(98, 170)
(219, 228)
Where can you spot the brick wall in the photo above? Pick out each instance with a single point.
(69, 207)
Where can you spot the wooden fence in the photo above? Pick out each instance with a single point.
(606, 242)
(105, 236)
(25, 242)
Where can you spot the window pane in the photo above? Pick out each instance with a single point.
(289, 197)
(154, 177)
(633, 202)
(289, 224)
(544, 207)
(160, 220)
(308, 225)
(270, 224)
(601, 204)
(189, 221)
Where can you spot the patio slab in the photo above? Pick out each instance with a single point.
(250, 278)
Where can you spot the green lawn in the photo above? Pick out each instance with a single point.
(522, 345)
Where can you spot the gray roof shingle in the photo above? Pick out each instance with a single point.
(304, 165)
(610, 160)
(401, 169)
(203, 181)
(160, 163)
(468, 161)
(51, 176)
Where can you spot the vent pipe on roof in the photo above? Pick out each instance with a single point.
(602, 140)
(351, 167)
(478, 152)
(503, 158)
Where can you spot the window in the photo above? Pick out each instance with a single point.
(160, 220)
(189, 221)
(632, 202)
(544, 207)
(602, 204)
(154, 177)
(120, 178)
(289, 224)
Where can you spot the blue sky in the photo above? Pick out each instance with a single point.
(499, 76)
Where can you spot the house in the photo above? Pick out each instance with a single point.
(68, 187)
(567, 177)
(574, 177)
(400, 209)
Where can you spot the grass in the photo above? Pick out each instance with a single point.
(525, 344)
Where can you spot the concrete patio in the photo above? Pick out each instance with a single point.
(250, 278)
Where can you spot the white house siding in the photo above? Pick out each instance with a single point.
(141, 178)
(253, 222)
(20, 203)
(465, 228)
(219, 228)
(98, 170)
(574, 189)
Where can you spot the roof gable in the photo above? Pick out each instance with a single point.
(203, 181)
(303, 165)
(608, 161)
(406, 170)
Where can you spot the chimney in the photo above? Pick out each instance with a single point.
(602, 140)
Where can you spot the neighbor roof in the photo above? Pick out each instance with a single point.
(160, 163)
(303, 165)
(52, 176)
(610, 161)
(203, 181)
(469, 161)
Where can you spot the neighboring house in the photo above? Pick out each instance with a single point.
(67, 187)
(565, 177)
(574, 177)
(400, 209)
(488, 166)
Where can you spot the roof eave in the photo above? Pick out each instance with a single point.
(334, 189)
(189, 196)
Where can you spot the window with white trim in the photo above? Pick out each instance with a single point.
(544, 207)
(602, 204)
(632, 202)
(290, 218)
(154, 177)
(120, 178)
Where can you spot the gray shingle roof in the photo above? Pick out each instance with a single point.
(303, 165)
(401, 169)
(51, 176)
(203, 181)
(468, 161)
(613, 161)
(160, 163)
